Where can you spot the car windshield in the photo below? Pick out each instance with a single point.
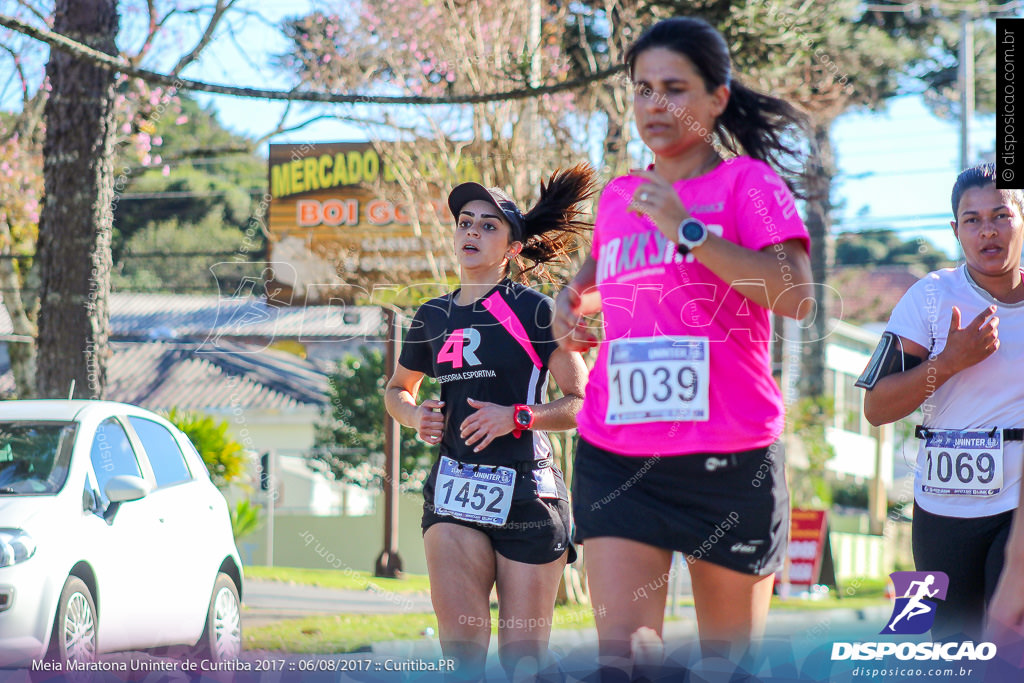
(34, 456)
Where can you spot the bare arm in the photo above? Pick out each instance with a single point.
(898, 395)
(775, 277)
(400, 401)
(570, 372)
(492, 420)
(577, 300)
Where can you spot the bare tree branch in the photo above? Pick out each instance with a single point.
(20, 72)
(151, 31)
(105, 61)
(35, 12)
(219, 9)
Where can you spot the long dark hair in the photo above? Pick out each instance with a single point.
(763, 127)
(552, 225)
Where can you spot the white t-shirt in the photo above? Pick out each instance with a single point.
(986, 395)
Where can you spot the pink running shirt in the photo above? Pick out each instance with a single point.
(649, 290)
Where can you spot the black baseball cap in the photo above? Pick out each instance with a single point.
(467, 192)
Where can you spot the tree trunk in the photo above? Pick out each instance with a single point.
(818, 177)
(75, 223)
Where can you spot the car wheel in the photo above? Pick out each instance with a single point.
(222, 637)
(74, 631)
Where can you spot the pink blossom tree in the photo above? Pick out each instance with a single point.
(438, 48)
(43, 234)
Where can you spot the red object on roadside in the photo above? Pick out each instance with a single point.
(807, 541)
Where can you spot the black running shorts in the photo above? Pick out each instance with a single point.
(731, 509)
(537, 531)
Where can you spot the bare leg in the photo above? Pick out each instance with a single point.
(460, 562)
(731, 606)
(526, 599)
(628, 587)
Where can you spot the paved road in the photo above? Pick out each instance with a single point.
(267, 601)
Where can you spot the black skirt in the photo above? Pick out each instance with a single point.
(731, 509)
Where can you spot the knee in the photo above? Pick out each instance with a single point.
(460, 626)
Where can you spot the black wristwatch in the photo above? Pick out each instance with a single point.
(690, 234)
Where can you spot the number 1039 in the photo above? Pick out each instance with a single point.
(658, 383)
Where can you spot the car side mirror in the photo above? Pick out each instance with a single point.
(123, 488)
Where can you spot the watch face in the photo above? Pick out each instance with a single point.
(522, 418)
(693, 231)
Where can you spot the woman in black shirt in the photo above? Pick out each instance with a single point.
(495, 505)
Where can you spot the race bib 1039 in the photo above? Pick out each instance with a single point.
(657, 379)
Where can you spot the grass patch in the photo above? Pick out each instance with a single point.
(853, 594)
(334, 634)
(347, 580)
(825, 603)
(352, 632)
(337, 633)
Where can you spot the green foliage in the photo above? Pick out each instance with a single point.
(850, 494)
(350, 431)
(938, 70)
(204, 173)
(170, 273)
(245, 519)
(223, 456)
(885, 247)
(191, 195)
(808, 418)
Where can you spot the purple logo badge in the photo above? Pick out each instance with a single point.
(913, 613)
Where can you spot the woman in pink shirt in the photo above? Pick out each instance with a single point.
(681, 416)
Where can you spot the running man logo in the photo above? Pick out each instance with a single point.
(913, 613)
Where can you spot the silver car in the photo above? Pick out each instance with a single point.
(112, 536)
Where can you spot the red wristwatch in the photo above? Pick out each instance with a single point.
(522, 415)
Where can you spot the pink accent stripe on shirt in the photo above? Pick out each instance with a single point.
(501, 310)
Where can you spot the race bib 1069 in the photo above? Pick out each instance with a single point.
(963, 462)
(657, 379)
(473, 493)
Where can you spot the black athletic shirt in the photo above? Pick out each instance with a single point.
(472, 353)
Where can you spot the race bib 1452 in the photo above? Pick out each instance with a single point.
(472, 493)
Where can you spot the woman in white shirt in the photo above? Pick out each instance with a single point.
(956, 350)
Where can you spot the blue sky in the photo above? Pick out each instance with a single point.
(896, 167)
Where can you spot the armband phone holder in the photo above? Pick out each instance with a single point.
(888, 359)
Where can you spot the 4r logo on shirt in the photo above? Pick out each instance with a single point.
(460, 346)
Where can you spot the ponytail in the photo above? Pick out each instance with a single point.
(765, 128)
(552, 225)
